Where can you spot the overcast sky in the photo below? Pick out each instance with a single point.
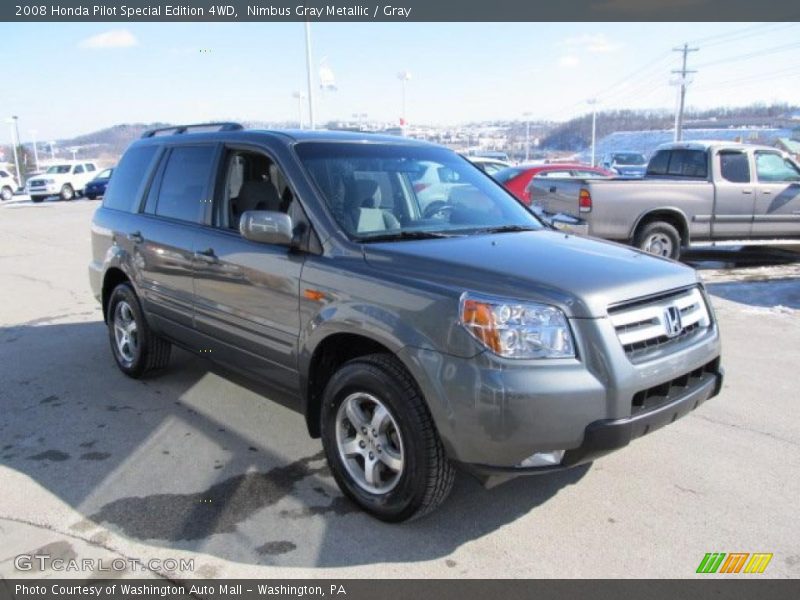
(67, 79)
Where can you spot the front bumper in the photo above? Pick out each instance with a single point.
(493, 413)
(607, 435)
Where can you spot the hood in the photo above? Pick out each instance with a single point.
(582, 276)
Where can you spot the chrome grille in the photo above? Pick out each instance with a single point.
(37, 182)
(644, 326)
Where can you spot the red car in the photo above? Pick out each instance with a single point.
(516, 179)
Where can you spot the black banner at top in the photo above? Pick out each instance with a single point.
(397, 10)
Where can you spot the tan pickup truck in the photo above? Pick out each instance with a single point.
(692, 191)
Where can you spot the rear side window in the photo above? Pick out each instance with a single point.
(734, 167)
(90, 167)
(183, 186)
(679, 163)
(78, 170)
(125, 189)
(508, 174)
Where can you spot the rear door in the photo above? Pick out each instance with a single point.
(175, 208)
(247, 293)
(777, 203)
(734, 195)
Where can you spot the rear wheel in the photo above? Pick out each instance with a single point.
(67, 193)
(659, 238)
(381, 442)
(136, 348)
(6, 193)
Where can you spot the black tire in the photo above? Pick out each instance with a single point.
(38, 199)
(427, 475)
(6, 194)
(659, 238)
(151, 352)
(91, 196)
(67, 193)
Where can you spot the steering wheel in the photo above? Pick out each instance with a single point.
(437, 209)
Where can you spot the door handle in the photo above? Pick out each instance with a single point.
(136, 237)
(765, 192)
(747, 191)
(206, 256)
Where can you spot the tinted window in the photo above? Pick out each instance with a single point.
(658, 164)
(773, 167)
(679, 163)
(183, 186)
(734, 167)
(125, 189)
(90, 167)
(3, 174)
(78, 170)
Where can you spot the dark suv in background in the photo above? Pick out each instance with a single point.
(413, 335)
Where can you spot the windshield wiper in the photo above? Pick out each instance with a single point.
(405, 235)
(507, 229)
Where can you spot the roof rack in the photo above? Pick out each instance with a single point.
(178, 129)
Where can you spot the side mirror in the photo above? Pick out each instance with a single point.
(266, 227)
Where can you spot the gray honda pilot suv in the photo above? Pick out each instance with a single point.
(416, 330)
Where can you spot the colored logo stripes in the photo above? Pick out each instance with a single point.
(735, 562)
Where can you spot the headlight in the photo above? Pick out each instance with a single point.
(50, 181)
(517, 329)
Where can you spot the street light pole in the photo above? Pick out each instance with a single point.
(593, 103)
(35, 149)
(404, 76)
(15, 142)
(309, 77)
(300, 97)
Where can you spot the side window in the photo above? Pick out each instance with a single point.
(734, 166)
(78, 170)
(90, 168)
(251, 181)
(773, 167)
(588, 174)
(182, 191)
(688, 163)
(555, 174)
(126, 187)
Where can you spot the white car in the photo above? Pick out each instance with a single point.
(65, 180)
(488, 165)
(8, 185)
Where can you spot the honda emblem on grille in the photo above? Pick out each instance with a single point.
(672, 321)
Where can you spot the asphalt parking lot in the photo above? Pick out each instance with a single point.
(196, 463)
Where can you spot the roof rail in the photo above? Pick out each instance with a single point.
(178, 129)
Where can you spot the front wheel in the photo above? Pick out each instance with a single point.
(91, 196)
(6, 194)
(380, 440)
(67, 193)
(136, 348)
(38, 199)
(659, 238)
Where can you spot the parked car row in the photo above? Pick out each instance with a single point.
(66, 180)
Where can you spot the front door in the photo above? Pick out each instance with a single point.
(247, 293)
(777, 208)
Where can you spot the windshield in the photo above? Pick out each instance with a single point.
(404, 192)
(59, 169)
(105, 174)
(629, 158)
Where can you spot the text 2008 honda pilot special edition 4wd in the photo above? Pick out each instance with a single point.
(415, 336)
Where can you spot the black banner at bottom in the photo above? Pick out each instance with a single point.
(400, 589)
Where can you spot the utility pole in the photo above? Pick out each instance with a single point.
(35, 150)
(683, 72)
(527, 116)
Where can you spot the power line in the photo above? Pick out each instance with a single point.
(748, 55)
